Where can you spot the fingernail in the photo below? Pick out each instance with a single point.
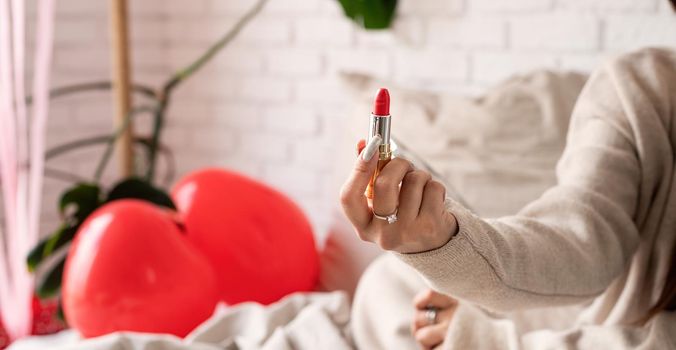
(371, 148)
(360, 147)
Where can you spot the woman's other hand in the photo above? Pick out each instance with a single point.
(423, 223)
(433, 314)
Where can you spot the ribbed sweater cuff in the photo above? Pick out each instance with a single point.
(452, 259)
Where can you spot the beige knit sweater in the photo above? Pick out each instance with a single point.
(603, 236)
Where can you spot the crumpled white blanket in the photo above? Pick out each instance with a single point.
(299, 321)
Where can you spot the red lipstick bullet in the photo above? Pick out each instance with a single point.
(381, 105)
(379, 124)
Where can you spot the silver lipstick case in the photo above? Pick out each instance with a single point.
(380, 125)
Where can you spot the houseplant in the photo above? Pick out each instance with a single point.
(370, 14)
(83, 197)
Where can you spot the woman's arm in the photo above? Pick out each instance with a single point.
(568, 245)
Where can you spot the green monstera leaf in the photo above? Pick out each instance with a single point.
(84, 197)
(370, 14)
(62, 236)
(75, 205)
(140, 189)
(50, 286)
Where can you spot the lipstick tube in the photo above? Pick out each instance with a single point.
(379, 124)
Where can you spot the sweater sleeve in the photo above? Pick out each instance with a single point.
(568, 245)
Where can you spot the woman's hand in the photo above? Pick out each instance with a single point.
(423, 223)
(433, 314)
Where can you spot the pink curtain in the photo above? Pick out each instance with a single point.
(22, 148)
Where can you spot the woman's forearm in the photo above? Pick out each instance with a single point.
(568, 245)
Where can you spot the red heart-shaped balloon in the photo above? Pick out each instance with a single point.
(259, 242)
(130, 268)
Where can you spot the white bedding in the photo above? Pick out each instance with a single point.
(299, 321)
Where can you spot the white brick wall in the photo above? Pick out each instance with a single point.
(556, 32)
(270, 105)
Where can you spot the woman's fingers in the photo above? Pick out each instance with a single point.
(420, 319)
(411, 194)
(431, 336)
(433, 199)
(386, 186)
(352, 194)
(423, 223)
(360, 146)
(433, 298)
(430, 333)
